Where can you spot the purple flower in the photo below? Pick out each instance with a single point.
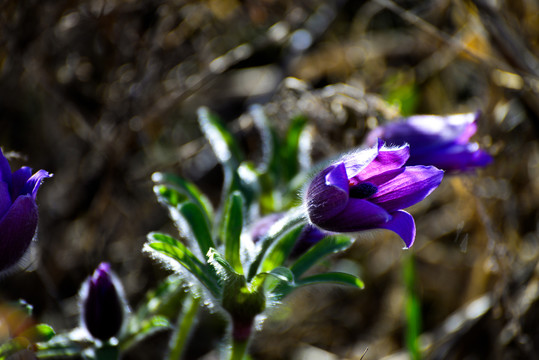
(368, 190)
(441, 141)
(18, 211)
(103, 304)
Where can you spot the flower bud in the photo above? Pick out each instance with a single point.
(103, 304)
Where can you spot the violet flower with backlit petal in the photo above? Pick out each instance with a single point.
(103, 305)
(18, 211)
(441, 141)
(368, 190)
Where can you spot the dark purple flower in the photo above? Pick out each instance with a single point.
(367, 190)
(441, 141)
(103, 305)
(18, 211)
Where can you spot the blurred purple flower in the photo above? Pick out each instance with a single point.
(103, 305)
(18, 211)
(309, 236)
(441, 141)
(367, 190)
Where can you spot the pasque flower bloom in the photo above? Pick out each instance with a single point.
(442, 141)
(103, 305)
(18, 211)
(368, 190)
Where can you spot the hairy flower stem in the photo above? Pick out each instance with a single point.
(238, 349)
(241, 335)
(184, 325)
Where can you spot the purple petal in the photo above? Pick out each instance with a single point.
(20, 177)
(5, 169)
(387, 159)
(453, 158)
(358, 215)
(5, 198)
(403, 224)
(407, 188)
(17, 228)
(327, 194)
(34, 182)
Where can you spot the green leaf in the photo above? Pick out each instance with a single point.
(217, 259)
(331, 277)
(187, 188)
(325, 247)
(143, 329)
(60, 346)
(199, 227)
(221, 140)
(174, 249)
(232, 227)
(269, 142)
(291, 148)
(292, 219)
(281, 249)
(39, 332)
(279, 282)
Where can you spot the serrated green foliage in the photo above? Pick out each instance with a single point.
(176, 186)
(177, 251)
(232, 227)
(281, 249)
(324, 248)
(199, 227)
(332, 277)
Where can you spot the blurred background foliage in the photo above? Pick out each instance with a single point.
(104, 92)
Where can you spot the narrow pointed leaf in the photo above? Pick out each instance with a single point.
(232, 226)
(281, 249)
(188, 189)
(332, 277)
(326, 246)
(174, 249)
(270, 142)
(214, 258)
(199, 227)
(292, 144)
(221, 140)
(169, 196)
